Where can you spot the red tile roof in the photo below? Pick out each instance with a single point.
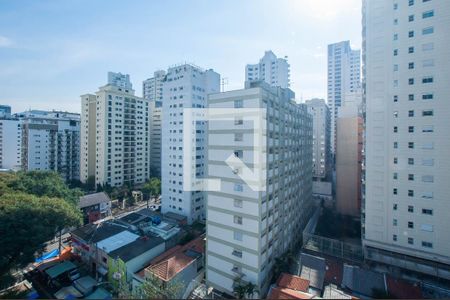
(281, 293)
(173, 261)
(402, 289)
(293, 282)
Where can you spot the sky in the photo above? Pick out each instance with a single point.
(53, 51)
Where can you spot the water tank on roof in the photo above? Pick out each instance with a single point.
(156, 220)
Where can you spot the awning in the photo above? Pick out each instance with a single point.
(47, 255)
(59, 269)
(101, 270)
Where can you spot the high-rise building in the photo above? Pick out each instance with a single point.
(344, 77)
(321, 138)
(271, 69)
(152, 87)
(115, 136)
(185, 86)
(407, 138)
(152, 90)
(10, 140)
(120, 80)
(51, 141)
(249, 226)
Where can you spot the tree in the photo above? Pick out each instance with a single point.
(152, 188)
(27, 222)
(239, 291)
(155, 288)
(250, 289)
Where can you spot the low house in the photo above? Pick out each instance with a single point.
(182, 265)
(290, 287)
(95, 207)
(313, 269)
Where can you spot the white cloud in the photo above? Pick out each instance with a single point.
(325, 10)
(5, 42)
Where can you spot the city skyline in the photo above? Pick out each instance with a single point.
(68, 54)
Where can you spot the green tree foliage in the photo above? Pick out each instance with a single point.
(30, 215)
(152, 187)
(155, 288)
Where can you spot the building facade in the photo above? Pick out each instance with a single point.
(115, 137)
(271, 69)
(152, 87)
(185, 86)
(10, 143)
(51, 141)
(248, 227)
(120, 80)
(344, 77)
(407, 141)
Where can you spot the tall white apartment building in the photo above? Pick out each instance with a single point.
(247, 228)
(51, 141)
(321, 138)
(271, 69)
(152, 90)
(407, 140)
(344, 77)
(10, 143)
(120, 80)
(115, 136)
(152, 87)
(185, 86)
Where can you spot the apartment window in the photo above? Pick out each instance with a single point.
(428, 162)
(395, 68)
(427, 113)
(395, 6)
(395, 160)
(395, 21)
(428, 14)
(427, 211)
(411, 81)
(428, 79)
(238, 220)
(410, 2)
(426, 227)
(395, 145)
(411, 97)
(238, 203)
(237, 236)
(238, 121)
(428, 128)
(395, 36)
(238, 187)
(410, 113)
(395, 129)
(237, 253)
(428, 178)
(394, 222)
(410, 208)
(410, 161)
(395, 98)
(428, 63)
(395, 114)
(411, 65)
(427, 244)
(410, 193)
(410, 241)
(428, 30)
(395, 175)
(395, 191)
(238, 103)
(427, 97)
(394, 206)
(410, 18)
(427, 47)
(411, 50)
(238, 137)
(411, 33)
(394, 237)
(238, 153)
(411, 177)
(410, 129)
(395, 52)
(427, 195)
(411, 145)
(411, 225)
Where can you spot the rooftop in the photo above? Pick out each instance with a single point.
(313, 269)
(293, 282)
(352, 280)
(93, 233)
(136, 248)
(117, 241)
(93, 199)
(283, 293)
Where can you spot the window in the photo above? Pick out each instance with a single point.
(411, 50)
(410, 161)
(238, 137)
(428, 63)
(411, 225)
(427, 47)
(411, 97)
(238, 121)
(395, 68)
(427, 195)
(395, 6)
(428, 14)
(410, 18)
(395, 160)
(395, 36)
(410, 208)
(426, 227)
(395, 98)
(410, 193)
(394, 222)
(395, 175)
(238, 220)
(427, 113)
(238, 187)
(429, 162)
(238, 203)
(427, 178)
(395, 191)
(395, 129)
(394, 237)
(411, 177)
(427, 244)
(411, 33)
(395, 52)
(237, 253)
(428, 128)
(395, 114)
(410, 113)
(410, 129)
(428, 30)
(427, 211)
(411, 66)
(394, 206)
(411, 81)
(427, 97)
(238, 103)
(237, 236)
(427, 79)
(410, 241)
(410, 2)
(238, 153)
(395, 145)
(411, 145)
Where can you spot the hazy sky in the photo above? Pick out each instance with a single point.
(53, 51)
